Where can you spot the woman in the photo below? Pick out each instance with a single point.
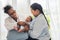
(39, 25)
(14, 32)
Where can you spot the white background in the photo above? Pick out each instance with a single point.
(51, 7)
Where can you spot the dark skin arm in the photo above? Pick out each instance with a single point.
(26, 26)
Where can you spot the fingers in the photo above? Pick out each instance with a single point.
(21, 23)
(16, 28)
(19, 30)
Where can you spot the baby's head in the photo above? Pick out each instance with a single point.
(28, 19)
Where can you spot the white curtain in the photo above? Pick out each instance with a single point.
(51, 7)
(23, 8)
(54, 12)
(2, 16)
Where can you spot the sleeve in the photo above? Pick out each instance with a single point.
(30, 25)
(38, 27)
(8, 25)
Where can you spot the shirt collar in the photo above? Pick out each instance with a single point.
(39, 15)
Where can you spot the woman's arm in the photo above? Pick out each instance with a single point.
(26, 26)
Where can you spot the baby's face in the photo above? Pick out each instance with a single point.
(28, 19)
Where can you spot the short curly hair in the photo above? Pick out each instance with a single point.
(6, 8)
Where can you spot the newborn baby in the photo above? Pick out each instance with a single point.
(28, 19)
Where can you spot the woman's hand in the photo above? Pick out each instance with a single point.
(15, 28)
(20, 30)
(21, 23)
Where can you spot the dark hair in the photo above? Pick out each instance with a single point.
(6, 8)
(39, 7)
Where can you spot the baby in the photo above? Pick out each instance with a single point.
(28, 19)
